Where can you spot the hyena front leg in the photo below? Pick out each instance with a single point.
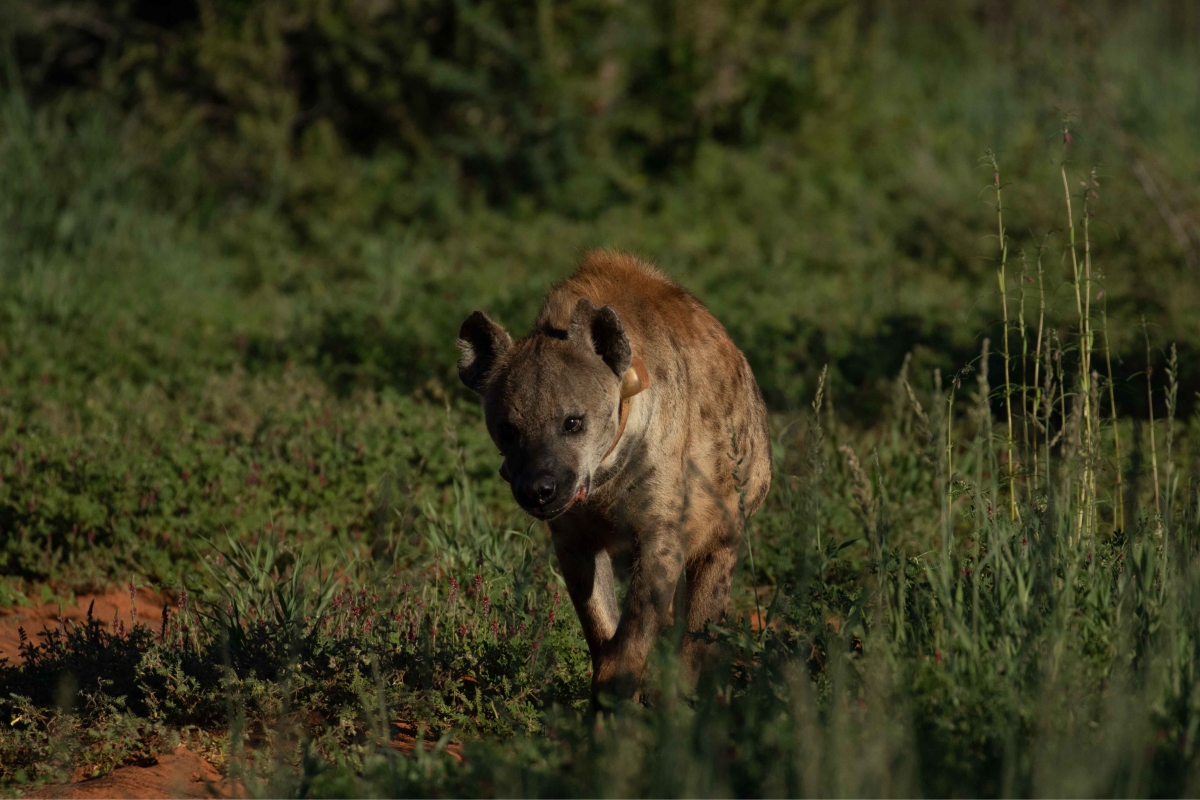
(589, 577)
(656, 572)
(708, 581)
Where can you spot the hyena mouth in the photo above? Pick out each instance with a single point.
(579, 497)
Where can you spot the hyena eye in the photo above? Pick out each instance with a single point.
(573, 424)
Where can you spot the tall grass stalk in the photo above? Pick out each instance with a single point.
(1002, 277)
(950, 441)
(1060, 378)
(1037, 355)
(1083, 309)
(816, 457)
(1048, 405)
(947, 514)
(1119, 517)
(986, 457)
(1172, 395)
(1091, 409)
(1153, 443)
(1027, 446)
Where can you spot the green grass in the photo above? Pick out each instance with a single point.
(226, 371)
(909, 652)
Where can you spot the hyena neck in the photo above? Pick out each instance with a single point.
(635, 381)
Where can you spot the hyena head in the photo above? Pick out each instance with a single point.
(551, 401)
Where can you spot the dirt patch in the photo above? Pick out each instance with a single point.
(405, 740)
(109, 606)
(182, 774)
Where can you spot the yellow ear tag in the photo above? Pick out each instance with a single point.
(635, 379)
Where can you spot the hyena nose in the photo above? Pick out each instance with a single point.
(542, 488)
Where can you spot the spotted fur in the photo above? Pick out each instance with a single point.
(673, 496)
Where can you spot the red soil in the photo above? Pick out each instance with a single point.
(115, 603)
(183, 774)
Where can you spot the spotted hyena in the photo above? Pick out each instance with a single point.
(632, 424)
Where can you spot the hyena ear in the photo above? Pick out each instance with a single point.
(482, 343)
(600, 329)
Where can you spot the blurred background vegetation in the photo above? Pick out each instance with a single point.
(338, 183)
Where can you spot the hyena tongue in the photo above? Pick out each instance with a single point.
(581, 495)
